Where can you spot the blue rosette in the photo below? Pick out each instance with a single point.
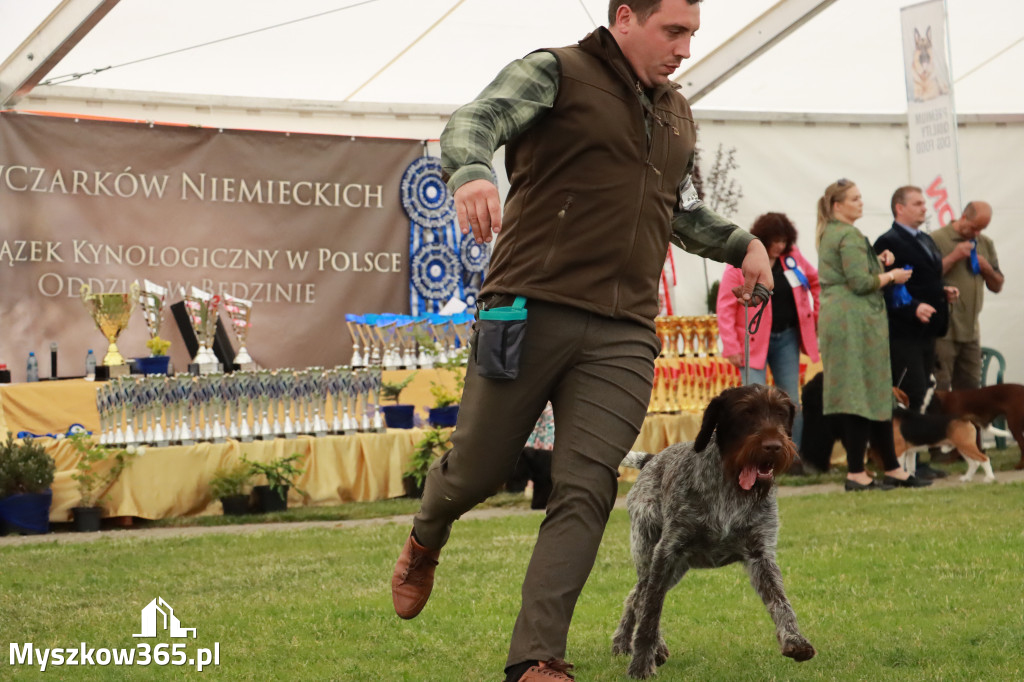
(425, 196)
(473, 256)
(434, 271)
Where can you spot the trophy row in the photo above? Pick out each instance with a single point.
(409, 342)
(689, 372)
(687, 335)
(245, 405)
(112, 311)
(688, 384)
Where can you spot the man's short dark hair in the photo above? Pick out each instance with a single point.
(900, 197)
(642, 8)
(775, 227)
(970, 211)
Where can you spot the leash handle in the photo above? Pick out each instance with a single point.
(746, 345)
(761, 294)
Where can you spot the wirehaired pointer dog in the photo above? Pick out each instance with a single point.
(707, 504)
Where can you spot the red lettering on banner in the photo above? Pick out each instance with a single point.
(940, 201)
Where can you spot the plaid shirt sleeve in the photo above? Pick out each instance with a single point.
(524, 91)
(697, 229)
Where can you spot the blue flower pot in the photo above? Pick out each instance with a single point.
(27, 513)
(154, 364)
(398, 416)
(444, 416)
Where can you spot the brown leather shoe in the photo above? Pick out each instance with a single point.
(413, 578)
(555, 669)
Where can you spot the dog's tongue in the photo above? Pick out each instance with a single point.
(747, 477)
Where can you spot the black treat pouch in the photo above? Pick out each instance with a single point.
(498, 340)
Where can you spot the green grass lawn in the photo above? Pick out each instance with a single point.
(903, 585)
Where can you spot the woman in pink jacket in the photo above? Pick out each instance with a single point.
(789, 323)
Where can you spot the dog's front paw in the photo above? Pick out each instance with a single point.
(661, 653)
(642, 667)
(966, 478)
(990, 479)
(798, 648)
(621, 644)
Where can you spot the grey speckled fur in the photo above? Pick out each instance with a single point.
(687, 510)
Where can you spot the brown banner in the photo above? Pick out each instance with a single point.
(308, 227)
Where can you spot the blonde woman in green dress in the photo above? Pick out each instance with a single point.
(854, 338)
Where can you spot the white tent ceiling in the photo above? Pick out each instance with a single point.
(397, 68)
(845, 59)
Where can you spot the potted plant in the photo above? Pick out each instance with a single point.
(397, 416)
(96, 470)
(445, 411)
(435, 442)
(158, 361)
(26, 474)
(228, 485)
(280, 475)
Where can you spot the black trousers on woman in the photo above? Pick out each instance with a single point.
(857, 431)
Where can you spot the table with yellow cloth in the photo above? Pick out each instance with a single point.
(174, 481)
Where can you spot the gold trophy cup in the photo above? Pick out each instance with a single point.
(111, 313)
(239, 311)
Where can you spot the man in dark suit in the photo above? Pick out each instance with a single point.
(915, 321)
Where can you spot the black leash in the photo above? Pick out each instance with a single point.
(762, 294)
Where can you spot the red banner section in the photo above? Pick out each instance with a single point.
(307, 227)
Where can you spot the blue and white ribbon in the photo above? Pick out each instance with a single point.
(975, 266)
(792, 265)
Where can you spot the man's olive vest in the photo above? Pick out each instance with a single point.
(587, 220)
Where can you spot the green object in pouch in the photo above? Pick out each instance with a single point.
(516, 311)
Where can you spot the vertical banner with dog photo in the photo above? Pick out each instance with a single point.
(934, 164)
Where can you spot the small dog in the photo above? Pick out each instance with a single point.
(705, 505)
(982, 405)
(927, 84)
(912, 431)
(915, 431)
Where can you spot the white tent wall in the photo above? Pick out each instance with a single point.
(784, 162)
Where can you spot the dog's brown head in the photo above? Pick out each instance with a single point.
(755, 427)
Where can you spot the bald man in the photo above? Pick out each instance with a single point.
(958, 353)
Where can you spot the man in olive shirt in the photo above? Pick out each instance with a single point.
(599, 150)
(969, 263)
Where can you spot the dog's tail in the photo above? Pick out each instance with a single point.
(636, 460)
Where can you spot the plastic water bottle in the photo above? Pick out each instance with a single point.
(32, 369)
(90, 365)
